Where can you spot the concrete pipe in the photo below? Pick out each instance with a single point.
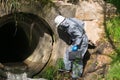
(25, 38)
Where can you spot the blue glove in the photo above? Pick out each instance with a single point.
(74, 48)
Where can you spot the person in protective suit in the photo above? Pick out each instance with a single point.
(75, 28)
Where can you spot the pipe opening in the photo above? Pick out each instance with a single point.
(22, 35)
(14, 44)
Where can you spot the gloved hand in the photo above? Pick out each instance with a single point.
(74, 48)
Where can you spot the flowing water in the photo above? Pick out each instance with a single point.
(17, 71)
(11, 76)
(22, 76)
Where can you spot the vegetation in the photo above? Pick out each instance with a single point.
(113, 34)
(114, 71)
(52, 73)
(115, 3)
(113, 30)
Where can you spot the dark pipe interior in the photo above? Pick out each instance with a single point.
(14, 44)
(20, 36)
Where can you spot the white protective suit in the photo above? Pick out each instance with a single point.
(75, 28)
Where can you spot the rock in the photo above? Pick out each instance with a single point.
(92, 14)
(93, 30)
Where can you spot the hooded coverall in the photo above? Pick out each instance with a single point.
(75, 28)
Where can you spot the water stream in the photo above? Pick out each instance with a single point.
(17, 71)
(22, 76)
(11, 76)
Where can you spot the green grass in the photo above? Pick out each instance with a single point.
(114, 72)
(113, 34)
(51, 72)
(113, 29)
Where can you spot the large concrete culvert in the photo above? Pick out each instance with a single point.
(25, 38)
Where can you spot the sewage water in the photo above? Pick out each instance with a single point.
(22, 76)
(17, 71)
(11, 76)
